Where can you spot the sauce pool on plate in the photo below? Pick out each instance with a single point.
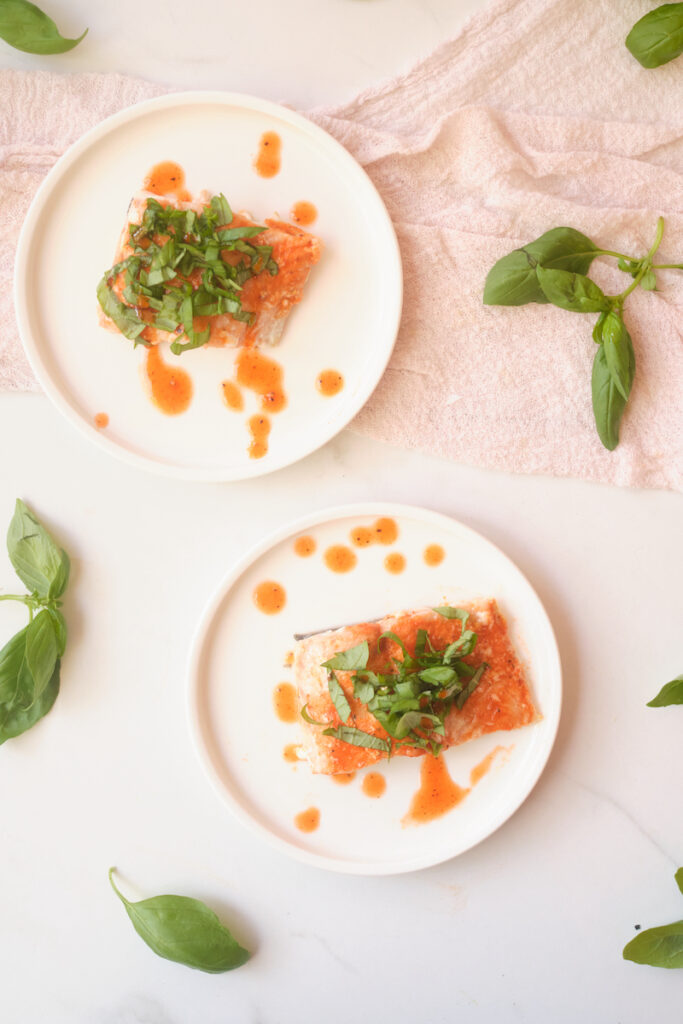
(291, 753)
(308, 820)
(270, 597)
(438, 793)
(344, 778)
(329, 383)
(232, 396)
(434, 554)
(339, 558)
(304, 213)
(262, 375)
(304, 546)
(101, 420)
(267, 161)
(171, 387)
(374, 785)
(166, 178)
(394, 563)
(259, 428)
(382, 531)
(284, 702)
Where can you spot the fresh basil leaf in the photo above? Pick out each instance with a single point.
(407, 722)
(307, 718)
(670, 693)
(597, 330)
(11, 660)
(463, 646)
(439, 675)
(358, 738)
(221, 207)
(351, 660)
(449, 612)
(20, 708)
(658, 37)
(25, 27)
(658, 947)
(618, 353)
(338, 696)
(38, 561)
(41, 651)
(390, 635)
(471, 686)
(60, 629)
(512, 281)
(679, 879)
(184, 930)
(649, 281)
(363, 690)
(574, 292)
(608, 404)
(125, 318)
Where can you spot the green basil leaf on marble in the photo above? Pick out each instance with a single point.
(38, 561)
(657, 37)
(670, 693)
(25, 27)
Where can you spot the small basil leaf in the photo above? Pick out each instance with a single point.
(25, 27)
(649, 281)
(363, 690)
(439, 675)
(618, 353)
(471, 686)
(670, 693)
(351, 660)
(608, 404)
(38, 561)
(574, 292)
(449, 612)
(658, 37)
(184, 930)
(338, 696)
(125, 318)
(390, 635)
(41, 651)
(358, 738)
(410, 720)
(658, 947)
(19, 710)
(512, 280)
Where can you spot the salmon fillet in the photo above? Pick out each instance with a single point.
(501, 701)
(270, 297)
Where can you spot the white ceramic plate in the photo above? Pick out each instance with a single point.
(237, 660)
(347, 320)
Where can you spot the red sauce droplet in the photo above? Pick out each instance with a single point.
(171, 387)
(344, 778)
(386, 530)
(101, 420)
(437, 794)
(394, 563)
(374, 784)
(434, 554)
(339, 558)
(304, 546)
(362, 536)
(289, 659)
(262, 375)
(304, 213)
(291, 753)
(480, 770)
(267, 161)
(308, 820)
(259, 428)
(285, 702)
(269, 597)
(232, 396)
(166, 179)
(329, 383)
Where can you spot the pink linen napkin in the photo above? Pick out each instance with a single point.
(535, 115)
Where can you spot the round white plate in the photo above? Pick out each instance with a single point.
(347, 320)
(237, 660)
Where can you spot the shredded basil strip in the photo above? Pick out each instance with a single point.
(358, 738)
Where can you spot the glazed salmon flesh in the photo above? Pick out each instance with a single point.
(500, 701)
(268, 296)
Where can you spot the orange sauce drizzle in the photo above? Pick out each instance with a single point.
(308, 820)
(285, 703)
(394, 563)
(339, 558)
(267, 161)
(167, 179)
(437, 793)
(270, 597)
(434, 554)
(344, 778)
(374, 785)
(480, 770)
(232, 396)
(329, 383)
(171, 386)
(382, 531)
(101, 420)
(259, 428)
(362, 536)
(304, 546)
(304, 213)
(291, 753)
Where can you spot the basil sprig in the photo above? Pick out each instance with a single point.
(670, 693)
(659, 947)
(30, 661)
(553, 269)
(176, 272)
(412, 699)
(184, 930)
(658, 37)
(25, 27)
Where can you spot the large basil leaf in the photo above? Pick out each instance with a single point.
(658, 947)
(608, 404)
(571, 291)
(658, 37)
(38, 561)
(184, 930)
(25, 27)
(512, 281)
(338, 697)
(670, 693)
(41, 652)
(353, 659)
(20, 705)
(619, 354)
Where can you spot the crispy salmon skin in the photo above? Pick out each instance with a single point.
(501, 701)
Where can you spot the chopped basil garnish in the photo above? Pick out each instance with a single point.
(177, 272)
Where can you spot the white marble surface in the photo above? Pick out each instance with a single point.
(527, 927)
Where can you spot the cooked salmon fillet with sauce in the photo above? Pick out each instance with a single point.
(270, 297)
(501, 701)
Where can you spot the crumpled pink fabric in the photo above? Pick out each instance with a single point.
(534, 116)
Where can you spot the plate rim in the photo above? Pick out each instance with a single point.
(200, 635)
(21, 284)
